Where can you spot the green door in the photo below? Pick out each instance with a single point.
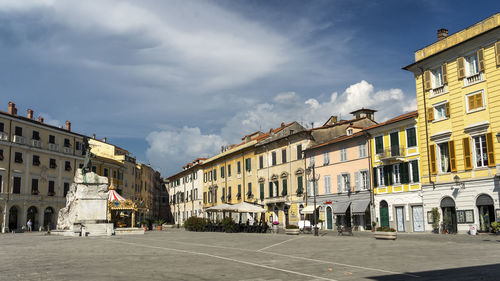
(329, 218)
(384, 214)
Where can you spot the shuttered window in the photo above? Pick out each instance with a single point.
(285, 188)
(467, 154)
(490, 149)
(497, 53)
(447, 110)
(430, 114)
(271, 189)
(375, 181)
(262, 191)
(414, 171)
(453, 162)
(427, 80)
(460, 68)
(411, 137)
(444, 72)
(480, 59)
(432, 150)
(300, 185)
(475, 101)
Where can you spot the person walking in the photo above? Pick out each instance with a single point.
(29, 224)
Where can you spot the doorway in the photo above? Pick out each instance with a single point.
(329, 218)
(48, 218)
(13, 218)
(285, 214)
(449, 215)
(400, 218)
(486, 210)
(32, 215)
(418, 218)
(384, 214)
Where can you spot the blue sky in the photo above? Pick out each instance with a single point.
(174, 80)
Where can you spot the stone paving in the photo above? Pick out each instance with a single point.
(181, 255)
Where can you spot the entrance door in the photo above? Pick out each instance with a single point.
(486, 210)
(418, 218)
(450, 219)
(329, 218)
(400, 218)
(384, 214)
(13, 218)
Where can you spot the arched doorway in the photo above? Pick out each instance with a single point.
(285, 214)
(384, 213)
(48, 218)
(32, 215)
(329, 218)
(486, 212)
(449, 215)
(13, 218)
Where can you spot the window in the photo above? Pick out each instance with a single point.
(18, 157)
(411, 137)
(35, 135)
(328, 184)
(273, 157)
(284, 190)
(222, 172)
(18, 131)
(380, 176)
(396, 173)
(67, 167)
(471, 65)
(1, 127)
(481, 151)
(364, 180)
(238, 195)
(238, 167)
(439, 112)
(52, 139)
(379, 144)
(261, 162)
(16, 185)
(229, 193)
(475, 101)
(311, 161)
(283, 156)
(229, 170)
(106, 172)
(262, 191)
(34, 187)
(66, 189)
(326, 158)
(299, 152)
(67, 143)
(249, 191)
(362, 150)
(204, 177)
(78, 145)
(52, 189)
(350, 132)
(444, 157)
(344, 182)
(437, 78)
(300, 185)
(248, 164)
(204, 198)
(36, 160)
(343, 154)
(1, 154)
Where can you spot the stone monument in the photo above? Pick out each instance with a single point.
(86, 210)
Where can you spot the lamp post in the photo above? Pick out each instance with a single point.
(308, 172)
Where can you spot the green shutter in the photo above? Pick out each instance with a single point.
(405, 176)
(414, 168)
(261, 191)
(285, 189)
(375, 182)
(277, 188)
(300, 186)
(270, 189)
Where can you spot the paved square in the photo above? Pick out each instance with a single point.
(182, 255)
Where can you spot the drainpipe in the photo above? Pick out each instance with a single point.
(8, 181)
(370, 171)
(426, 131)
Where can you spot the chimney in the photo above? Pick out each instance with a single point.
(40, 119)
(282, 124)
(93, 136)
(104, 139)
(442, 33)
(30, 113)
(12, 108)
(68, 126)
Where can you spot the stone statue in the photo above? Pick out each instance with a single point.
(87, 163)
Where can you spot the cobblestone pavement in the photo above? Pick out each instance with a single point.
(180, 255)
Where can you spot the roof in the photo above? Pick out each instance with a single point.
(341, 122)
(363, 109)
(337, 140)
(405, 116)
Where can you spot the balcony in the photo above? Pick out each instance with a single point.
(67, 150)
(4, 136)
(54, 147)
(473, 79)
(278, 199)
(19, 139)
(438, 90)
(36, 143)
(394, 152)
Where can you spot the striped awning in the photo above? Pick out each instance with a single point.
(113, 195)
(359, 207)
(339, 208)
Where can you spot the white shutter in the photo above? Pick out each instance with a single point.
(339, 183)
(357, 177)
(348, 187)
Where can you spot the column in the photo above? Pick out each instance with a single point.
(133, 219)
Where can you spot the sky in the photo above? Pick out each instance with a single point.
(171, 81)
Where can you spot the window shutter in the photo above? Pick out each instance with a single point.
(404, 170)
(447, 109)
(480, 59)
(430, 114)
(349, 181)
(460, 68)
(444, 71)
(432, 151)
(270, 189)
(467, 158)
(479, 100)
(386, 175)
(472, 102)
(357, 178)
(375, 182)
(414, 169)
(285, 188)
(299, 184)
(277, 188)
(339, 183)
(427, 80)
(453, 162)
(490, 149)
(497, 53)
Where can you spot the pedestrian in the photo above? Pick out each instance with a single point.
(29, 224)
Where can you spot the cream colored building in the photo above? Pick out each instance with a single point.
(37, 165)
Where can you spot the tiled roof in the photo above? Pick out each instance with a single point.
(405, 116)
(339, 139)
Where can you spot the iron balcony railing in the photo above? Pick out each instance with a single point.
(391, 152)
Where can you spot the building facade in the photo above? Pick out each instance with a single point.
(37, 166)
(457, 81)
(395, 174)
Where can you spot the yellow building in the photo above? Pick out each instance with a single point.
(395, 160)
(37, 166)
(231, 176)
(457, 81)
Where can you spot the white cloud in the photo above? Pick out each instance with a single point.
(178, 147)
(171, 149)
(51, 121)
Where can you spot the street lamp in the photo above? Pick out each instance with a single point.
(308, 172)
(458, 183)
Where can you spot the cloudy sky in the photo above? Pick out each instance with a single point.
(174, 80)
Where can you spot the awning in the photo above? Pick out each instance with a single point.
(339, 208)
(308, 210)
(245, 207)
(359, 206)
(113, 195)
(219, 208)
